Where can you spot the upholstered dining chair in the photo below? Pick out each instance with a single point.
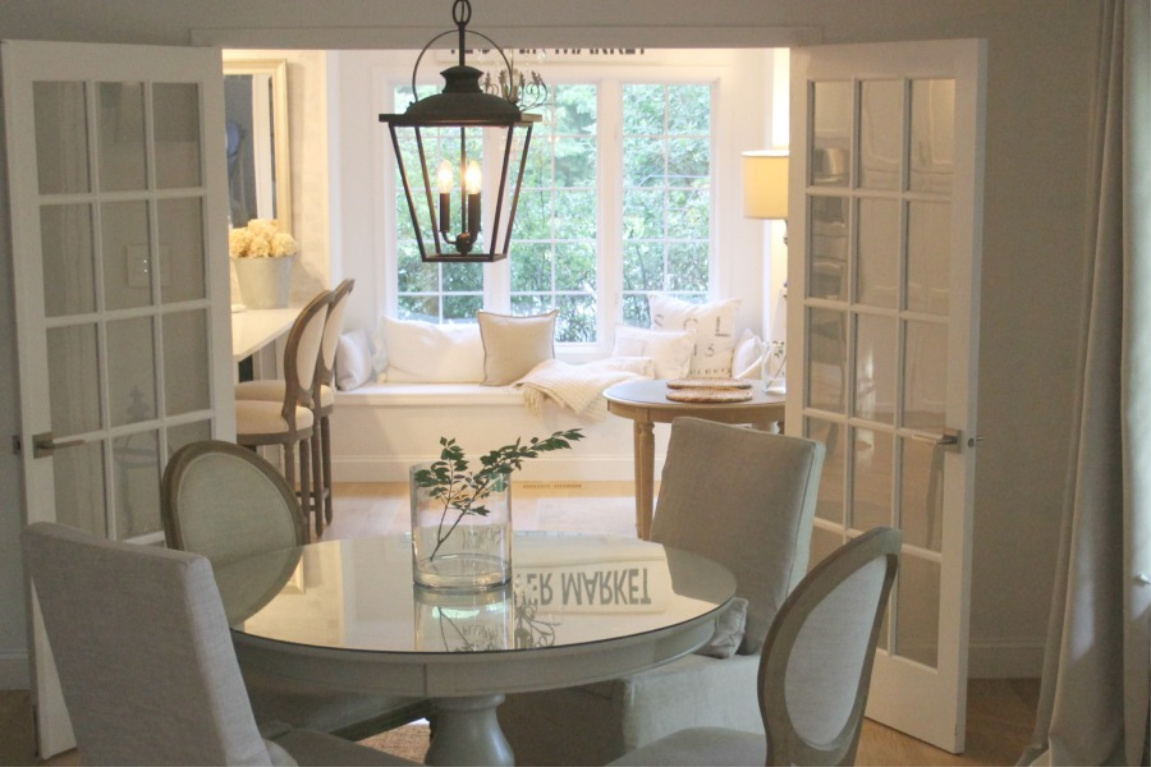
(146, 662)
(744, 498)
(226, 503)
(323, 395)
(814, 669)
(288, 420)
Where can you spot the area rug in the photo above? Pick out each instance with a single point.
(610, 515)
(409, 742)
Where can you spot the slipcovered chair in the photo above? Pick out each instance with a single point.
(226, 503)
(288, 420)
(814, 671)
(146, 661)
(744, 498)
(324, 391)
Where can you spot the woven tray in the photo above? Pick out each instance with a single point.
(709, 395)
(709, 383)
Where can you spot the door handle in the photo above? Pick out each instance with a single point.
(950, 439)
(44, 444)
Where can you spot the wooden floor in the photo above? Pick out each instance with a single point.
(1000, 712)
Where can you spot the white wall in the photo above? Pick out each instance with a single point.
(1041, 63)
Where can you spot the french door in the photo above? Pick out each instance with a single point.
(118, 194)
(886, 195)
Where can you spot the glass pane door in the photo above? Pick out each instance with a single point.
(121, 203)
(886, 233)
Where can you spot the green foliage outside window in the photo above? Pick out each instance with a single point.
(554, 261)
(667, 194)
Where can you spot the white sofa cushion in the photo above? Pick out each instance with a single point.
(669, 350)
(424, 352)
(714, 326)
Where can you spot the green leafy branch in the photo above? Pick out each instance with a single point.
(458, 489)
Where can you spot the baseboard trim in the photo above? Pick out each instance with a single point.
(584, 468)
(14, 674)
(1005, 659)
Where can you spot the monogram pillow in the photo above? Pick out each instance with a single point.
(714, 326)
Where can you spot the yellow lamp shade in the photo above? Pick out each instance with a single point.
(765, 184)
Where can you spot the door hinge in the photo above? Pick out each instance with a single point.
(17, 448)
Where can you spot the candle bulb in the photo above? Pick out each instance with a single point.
(444, 177)
(473, 181)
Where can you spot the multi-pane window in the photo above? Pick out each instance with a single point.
(658, 186)
(553, 261)
(666, 194)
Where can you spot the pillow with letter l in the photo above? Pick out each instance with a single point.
(714, 326)
(515, 345)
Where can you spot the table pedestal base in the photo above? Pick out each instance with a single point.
(467, 732)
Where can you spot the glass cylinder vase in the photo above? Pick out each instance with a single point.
(466, 548)
(463, 621)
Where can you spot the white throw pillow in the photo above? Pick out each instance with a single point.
(748, 358)
(714, 326)
(353, 360)
(423, 352)
(670, 351)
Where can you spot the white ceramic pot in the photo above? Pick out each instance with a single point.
(265, 283)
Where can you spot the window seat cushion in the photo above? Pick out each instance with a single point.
(400, 394)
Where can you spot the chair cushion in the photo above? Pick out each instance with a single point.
(515, 345)
(714, 326)
(669, 350)
(273, 391)
(265, 417)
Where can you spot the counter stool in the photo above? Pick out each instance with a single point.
(288, 419)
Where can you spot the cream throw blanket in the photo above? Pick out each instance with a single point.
(579, 388)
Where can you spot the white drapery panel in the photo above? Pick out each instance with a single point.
(1093, 706)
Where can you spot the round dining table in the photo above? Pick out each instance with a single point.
(346, 614)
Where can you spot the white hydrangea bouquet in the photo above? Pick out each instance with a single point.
(261, 238)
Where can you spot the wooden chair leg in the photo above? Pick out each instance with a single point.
(306, 484)
(290, 465)
(319, 485)
(326, 460)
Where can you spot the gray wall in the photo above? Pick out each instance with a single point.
(1041, 62)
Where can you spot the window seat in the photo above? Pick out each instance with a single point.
(380, 429)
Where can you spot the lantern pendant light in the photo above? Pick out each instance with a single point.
(447, 204)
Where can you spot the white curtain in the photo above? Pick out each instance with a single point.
(1093, 706)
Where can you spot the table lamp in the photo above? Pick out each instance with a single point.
(765, 184)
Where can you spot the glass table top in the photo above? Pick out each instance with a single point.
(567, 589)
